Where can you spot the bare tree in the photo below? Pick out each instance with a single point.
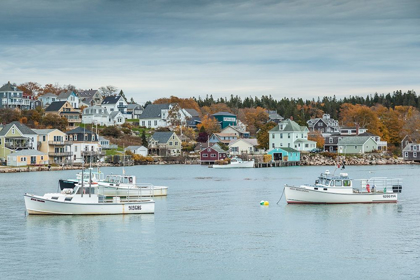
(108, 90)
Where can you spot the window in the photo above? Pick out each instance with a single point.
(93, 137)
(143, 123)
(22, 159)
(306, 145)
(272, 135)
(212, 155)
(170, 143)
(13, 130)
(338, 183)
(415, 148)
(43, 138)
(355, 147)
(155, 123)
(75, 137)
(176, 143)
(42, 157)
(75, 148)
(273, 145)
(149, 123)
(330, 140)
(415, 154)
(281, 135)
(86, 137)
(204, 155)
(288, 135)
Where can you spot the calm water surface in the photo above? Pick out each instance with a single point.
(211, 226)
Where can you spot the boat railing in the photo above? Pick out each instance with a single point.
(381, 184)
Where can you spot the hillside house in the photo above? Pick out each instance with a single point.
(211, 154)
(288, 134)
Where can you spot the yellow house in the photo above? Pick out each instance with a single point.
(64, 109)
(53, 142)
(27, 157)
(14, 137)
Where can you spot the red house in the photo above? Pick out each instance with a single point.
(211, 154)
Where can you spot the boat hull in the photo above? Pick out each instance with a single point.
(38, 205)
(299, 195)
(245, 164)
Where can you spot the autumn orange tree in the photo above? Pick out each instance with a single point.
(361, 115)
(263, 136)
(184, 103)
(317, 137)
(254, 118)
(31, 88)
(210, 125)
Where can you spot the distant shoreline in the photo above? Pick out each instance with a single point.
(306, 161)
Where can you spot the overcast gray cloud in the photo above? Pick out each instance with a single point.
(152, 49)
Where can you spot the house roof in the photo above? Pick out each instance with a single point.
(29, 152)
(111, 99)
(79, 130)
(253, 142)
(55, 106)
(224, 114)
(353, 140)
(289, 125)
(101, 138)
(287, 149)
(132, 106)
(9, 87)
(135, 147)
(65, 94)
(22, 128)
(215, 147)
(153, 111)
(49, 94)
(87, 93)
(236, 128)
(192, 112)
(43, 131)
(114, 114)
(162, 136)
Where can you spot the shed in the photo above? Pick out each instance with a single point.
(284, 154)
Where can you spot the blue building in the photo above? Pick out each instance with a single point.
(284, 154)
(225, 119)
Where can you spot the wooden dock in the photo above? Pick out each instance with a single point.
(276, 164)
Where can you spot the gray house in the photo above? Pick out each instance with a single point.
(412, 152)
(356, 145)
(165, 143)
(325, 125)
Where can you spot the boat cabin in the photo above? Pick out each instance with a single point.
(326, 180)
(120, 179)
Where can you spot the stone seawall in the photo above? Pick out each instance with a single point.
(366, 159)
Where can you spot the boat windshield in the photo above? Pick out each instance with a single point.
(113, 179)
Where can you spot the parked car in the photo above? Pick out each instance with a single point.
(316, 150)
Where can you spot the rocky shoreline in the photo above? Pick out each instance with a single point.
(366, 159)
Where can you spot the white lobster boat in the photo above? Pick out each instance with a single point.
(82, 200)
(236, 163)
(330, 189)
(117, 185)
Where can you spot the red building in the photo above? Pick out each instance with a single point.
(211, 154)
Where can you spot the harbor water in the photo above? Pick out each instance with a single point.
(212, 226)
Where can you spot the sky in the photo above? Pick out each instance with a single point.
(153, 49)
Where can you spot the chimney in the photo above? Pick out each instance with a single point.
(357, 129)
